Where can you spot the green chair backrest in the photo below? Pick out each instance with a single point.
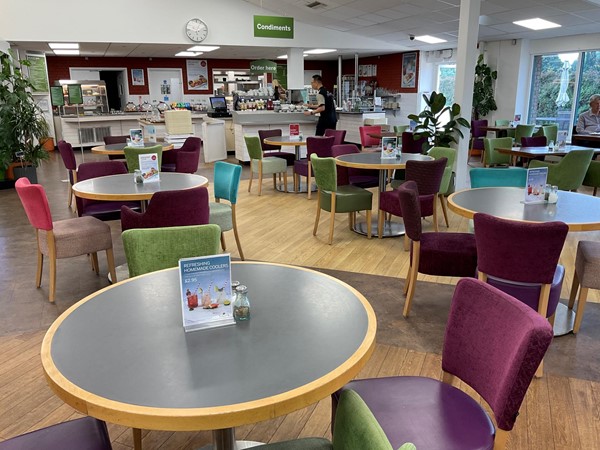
(227, 180)
(501, 122)
(495, 177)
(551, 132)
(569, 173)
(325, 172)
(491, 156)
(151, 249)
(523, 131)
(399, 129)
(444, 152)
(132, 156)
(253, 146)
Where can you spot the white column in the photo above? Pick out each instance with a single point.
(466, 59)
(295, 68)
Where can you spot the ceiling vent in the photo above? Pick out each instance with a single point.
(316, 5)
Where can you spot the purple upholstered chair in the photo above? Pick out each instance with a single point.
(184, 159)
(85, 433)
(274, 150)
(320, 146)
(103, 210)
(477, 135)
(534, 141)
(108, 140)
(170, 209)
(441, 254)
(521, 259)
(68, 156)
(363, 178)
(428, 176)
(410, 145)
(339, 135)
(493, 344)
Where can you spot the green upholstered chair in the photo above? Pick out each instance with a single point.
(152, 249)
(523, 131)
(592, 176)
(132, 156)
(502, 122)
(261, 165)
(226, 183)
(447, 185)
(399, 129)
(338, 199)
(491, 156)
(569, 173)
(550, 131)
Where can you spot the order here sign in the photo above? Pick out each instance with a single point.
(274, 27)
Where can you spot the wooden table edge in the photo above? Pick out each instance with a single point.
(101, 150)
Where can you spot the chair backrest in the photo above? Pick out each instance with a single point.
(450, 155)
(325, 173)
(551, 132)
(427, 174)
(399, 129)
(365, 139)
(188, 156)
(534, 141)
(191, 144)
(132, 155)
(67, 154)
(502, 122)
(94, 170)
(410, 145)
(476, 130)
(343, 173)
(34, 201)
(227, 180)
(569, 173)
(319, 145)
(494, 177)
(523, 131)
(339, 135)
(408, 195)
(115, 139)
(525, 252)
(491, 156)
(170, 209)
(262, 134)
(253, 146)
(494, 343)
(152, 249)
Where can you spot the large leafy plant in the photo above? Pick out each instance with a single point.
(483, 89)
(438, 123)
(22, 122)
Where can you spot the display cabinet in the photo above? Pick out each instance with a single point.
(94, 97)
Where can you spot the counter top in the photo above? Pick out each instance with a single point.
(106, 118)
(270, 117)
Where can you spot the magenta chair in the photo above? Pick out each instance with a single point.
(534, 141)
(493, 344)
(363, 178)
(366, 141)
(170, 209)
(412, 145)
(339, 135)
(274, 150)
(108, 140)
(68, 156)
(477, 134)
(320, 146)
(184, 159)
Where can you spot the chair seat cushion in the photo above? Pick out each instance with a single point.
(220, 214)
(363, 181)
(167, 167)
(289, 157)
(390, 202)
(430, 414)
(86, 433)
(77, 236)
(587, 264)
(270, 165)
(299, 444)
(448, 254)
(348, 199)
(107, 210)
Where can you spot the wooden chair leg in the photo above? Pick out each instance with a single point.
(308, 184)
(444, 209)
(223, 246)
(581, 302)
(407, 279)
(351, 220)
(260, 178)
(369, 219)
(406, 242)
(380, 221)
(574, 288)
(285, 181)
(70, 201)
(413, 278)
(40, 262)
(110, 260)
(251, 176)
(235, 232)
(52, 278)
(318, 216)
(95, 265)
(543, 311)
(275, 181)
(435, 217)
(332, 219)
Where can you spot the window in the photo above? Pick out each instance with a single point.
(445, 85)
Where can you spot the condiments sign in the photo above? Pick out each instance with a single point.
(274, 27)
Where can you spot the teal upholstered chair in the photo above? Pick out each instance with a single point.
(491, 156)
(592, 176)
(399, 129)
(264, 165)
(338, 199)
(132, 156)
(494, 177)
(570, 172)
(226, 183)
(447, 185)
(152, 249)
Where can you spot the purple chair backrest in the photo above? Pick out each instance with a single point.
(67, 155)
(534, 141)
(525, 252)
(339, 135)
(408, 194)
(191, 144)
(343, 173)
(476, 130)
(494, 343)
(262, 134)
(94, 170)
(34, 200)
(409, 145)
(108, 140)
(427, 174)
(319, 145)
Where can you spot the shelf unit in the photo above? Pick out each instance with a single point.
(95, 99)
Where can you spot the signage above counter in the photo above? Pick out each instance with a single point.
(263, 65)
(274, 27)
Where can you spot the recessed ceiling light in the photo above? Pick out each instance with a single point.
(66, 52)
(282, 57)
(188, 54)
(319, 51)
(536, 24)
(202, 48)
(62, 45)
(430, 39)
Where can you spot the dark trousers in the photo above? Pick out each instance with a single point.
(321, 127)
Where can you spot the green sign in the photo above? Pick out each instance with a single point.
(37, 73)
(56, 96)
(262, 66)
(274, 27)
(75, 94)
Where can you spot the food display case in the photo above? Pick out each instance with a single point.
(93, 96)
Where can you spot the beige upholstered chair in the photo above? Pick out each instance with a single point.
(586, 276)
(264, 165)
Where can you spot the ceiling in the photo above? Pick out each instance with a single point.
(391, 21)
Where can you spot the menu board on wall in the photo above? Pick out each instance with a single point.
(197, 74)
(56, 96)
(75, 94)
(37, 73)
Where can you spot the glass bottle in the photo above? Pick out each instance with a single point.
(241, 304)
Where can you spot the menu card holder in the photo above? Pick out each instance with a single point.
(536, 185)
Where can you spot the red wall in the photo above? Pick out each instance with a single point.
(389, 70)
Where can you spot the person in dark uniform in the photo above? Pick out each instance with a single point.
(325, 107)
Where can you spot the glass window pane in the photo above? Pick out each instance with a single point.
(589, 83)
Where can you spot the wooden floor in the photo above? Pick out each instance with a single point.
(559, 413)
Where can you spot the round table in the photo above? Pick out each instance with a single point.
(117, 149)
(373, 160)
(121, 354)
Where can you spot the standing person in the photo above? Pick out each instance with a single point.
(589, 121)
(325, 106)
(278, 91)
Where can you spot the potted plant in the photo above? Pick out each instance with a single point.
(22, 122)
(483, 89)
(432, 122)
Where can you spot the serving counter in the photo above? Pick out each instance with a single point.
(94, 128)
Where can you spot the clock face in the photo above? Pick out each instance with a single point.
(196, 30)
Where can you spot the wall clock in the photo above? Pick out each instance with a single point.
(196, 30)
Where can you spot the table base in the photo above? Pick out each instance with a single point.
(390, 229)
(225, 440)
(290, 187)
(564, 320)
(122, 272)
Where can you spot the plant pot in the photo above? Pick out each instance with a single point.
(28, 172)
(47, 144)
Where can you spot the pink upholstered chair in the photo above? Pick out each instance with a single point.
(68, 157)
(339, 135)
(363, 178)
(184, 159)
(320, 146)
(274, 150)
(64, 238)
(366, 141)
(493, 344)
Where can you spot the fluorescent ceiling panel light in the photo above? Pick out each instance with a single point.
(536, 24)
(203, 48)
(319, 51)
(430, 39)
(282, 57)
(63, 45)
(66, 52)
(188, 54)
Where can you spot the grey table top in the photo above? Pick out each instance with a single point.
(122, 355)
(373, 160)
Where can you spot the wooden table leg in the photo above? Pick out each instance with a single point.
(137, 438)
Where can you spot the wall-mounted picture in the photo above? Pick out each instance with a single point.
(137, 77)
(409, 71)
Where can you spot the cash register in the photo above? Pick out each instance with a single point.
(219, 107)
